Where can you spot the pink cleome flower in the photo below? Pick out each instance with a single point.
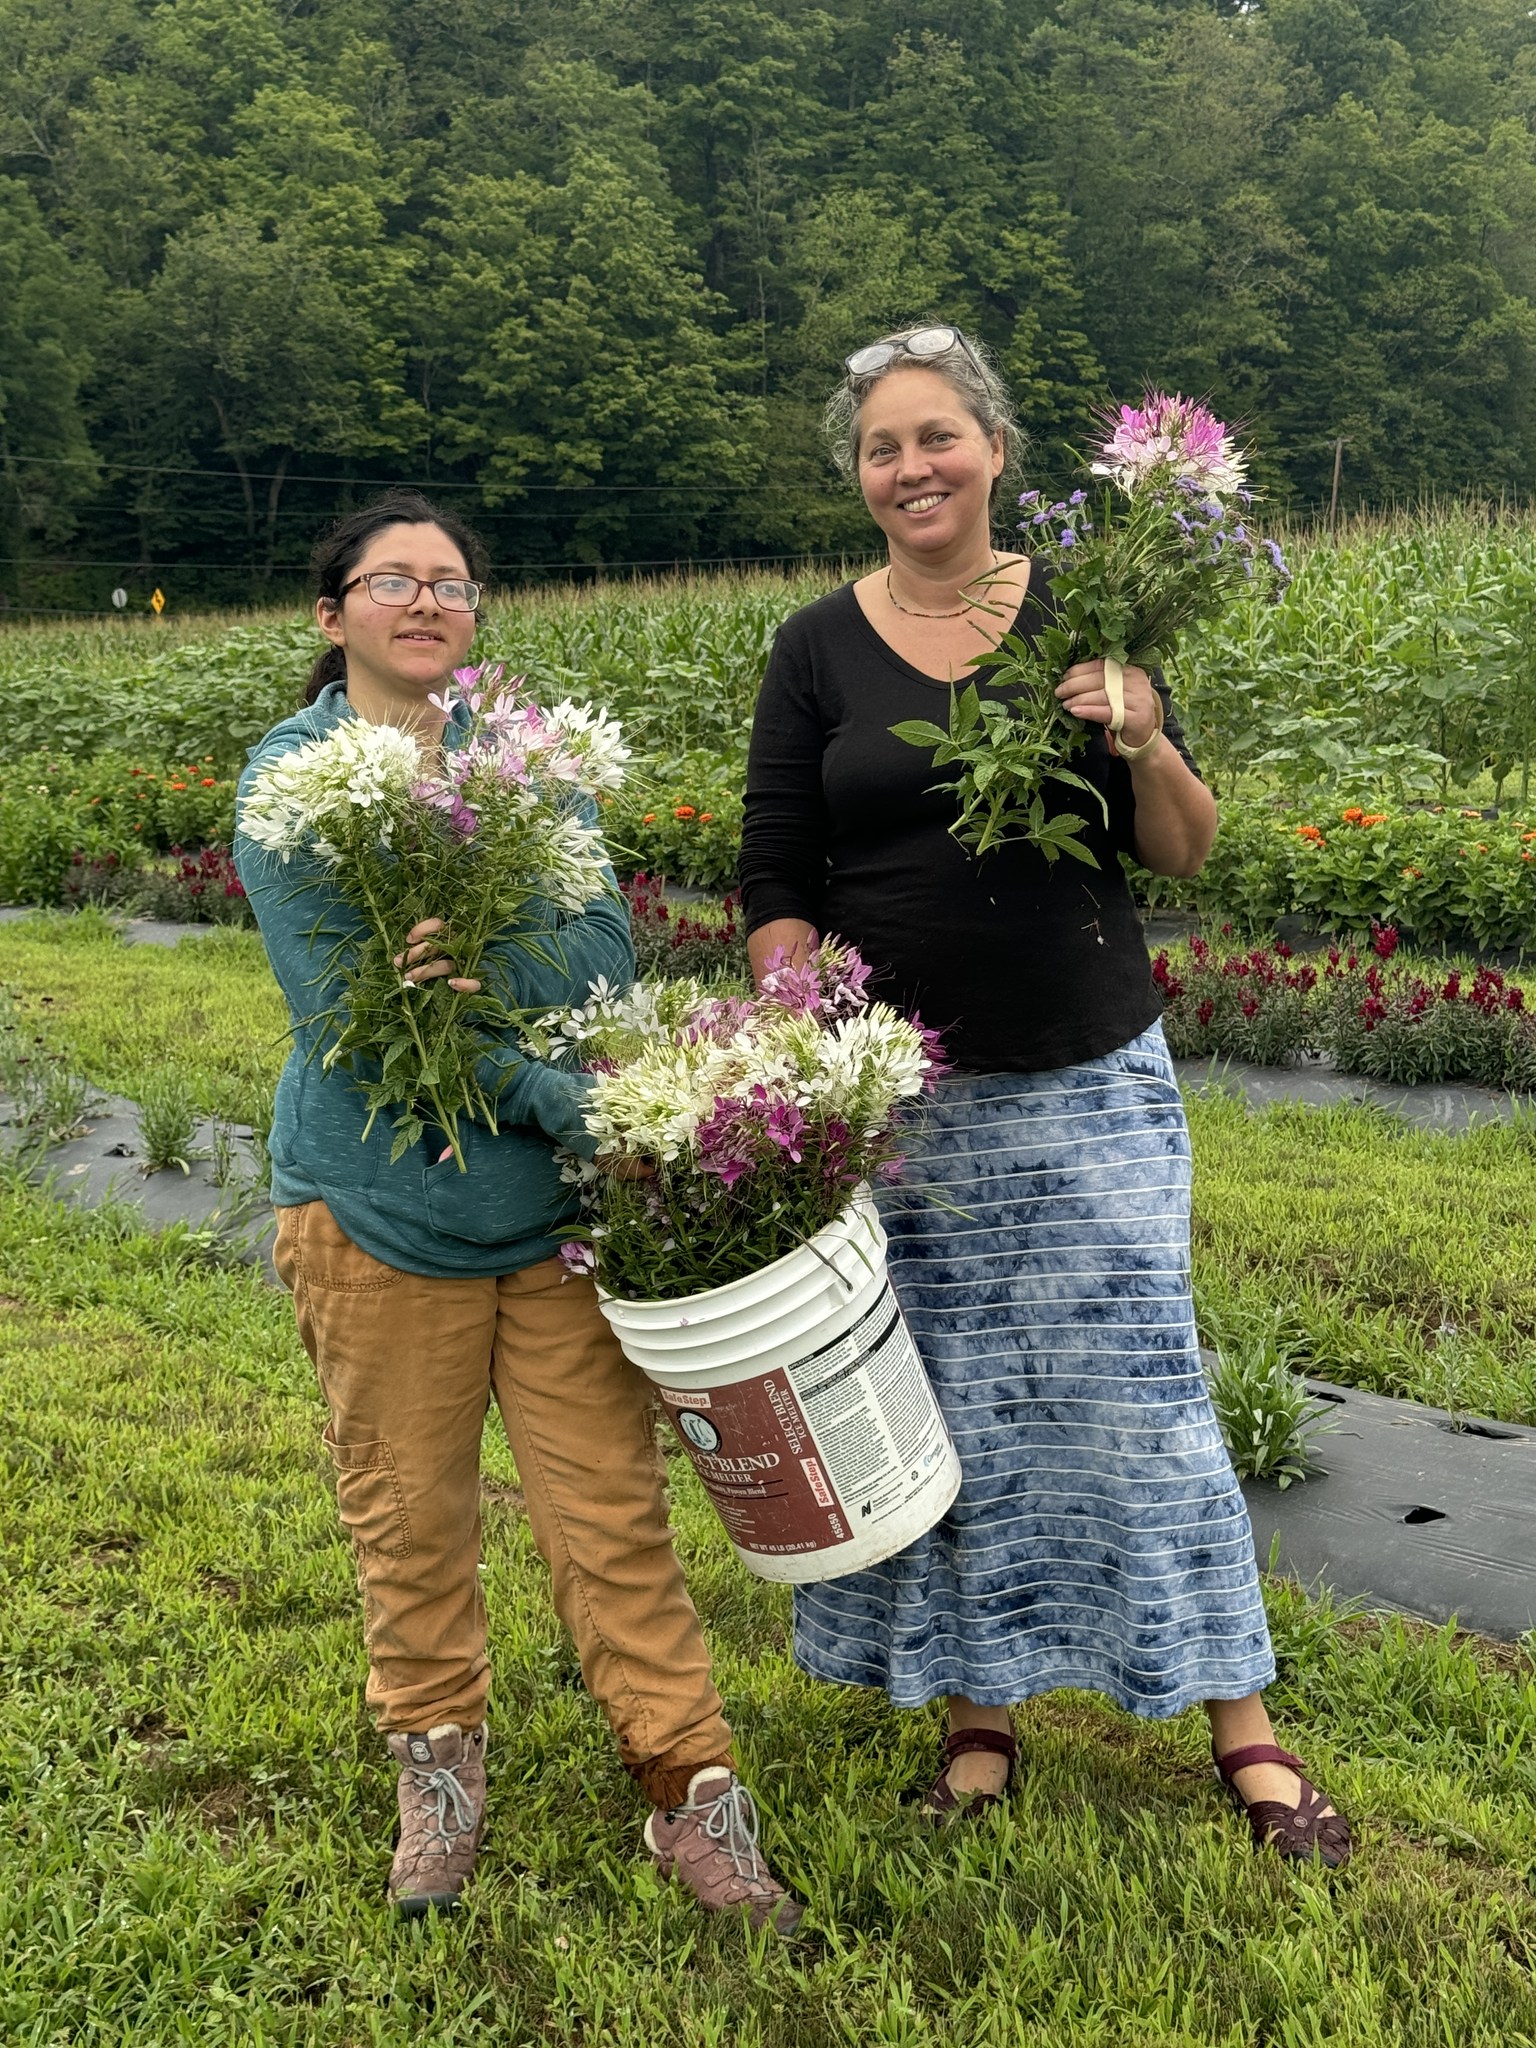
(1173, 438)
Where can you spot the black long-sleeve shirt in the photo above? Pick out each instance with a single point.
(1022, 964)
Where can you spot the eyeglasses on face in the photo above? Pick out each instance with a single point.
(922, 345)
(387, 586)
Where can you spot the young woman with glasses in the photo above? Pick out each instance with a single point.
(1099, 1540)
(422, 1294)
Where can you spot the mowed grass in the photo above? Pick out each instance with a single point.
(195, 1820)
(118, 1014)
(1394, 1259)
(1391, 1258)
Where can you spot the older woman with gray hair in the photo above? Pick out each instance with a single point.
(1099, 1539)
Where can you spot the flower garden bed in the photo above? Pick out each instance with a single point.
(1357, 1010)
(1442, 875)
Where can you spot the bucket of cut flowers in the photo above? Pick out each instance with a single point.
(746, 1275)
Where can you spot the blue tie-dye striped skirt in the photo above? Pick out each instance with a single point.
(1099, 1539)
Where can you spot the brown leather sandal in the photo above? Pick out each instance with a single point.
(941, 1804)
(1299, 1833)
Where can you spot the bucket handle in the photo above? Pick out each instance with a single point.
(847, 1286)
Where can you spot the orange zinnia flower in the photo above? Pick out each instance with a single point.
(685, 811)
(1311, 832)
(1353, 815)
(1374, 818)
(706, 817)
(209, 782)
(649, 818)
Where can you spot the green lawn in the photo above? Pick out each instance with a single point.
(195, 1824)
(1361, 1237)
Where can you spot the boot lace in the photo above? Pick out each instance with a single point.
(443, 1789)
(731, 1824)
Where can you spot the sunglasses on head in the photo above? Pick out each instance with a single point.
(922, 345)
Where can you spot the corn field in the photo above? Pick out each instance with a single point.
(1400, 664)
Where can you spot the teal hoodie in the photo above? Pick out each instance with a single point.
(511, 1208)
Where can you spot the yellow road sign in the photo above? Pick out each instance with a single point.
(157, 602)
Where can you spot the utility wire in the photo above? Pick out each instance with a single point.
(264, 476)
(607, 571)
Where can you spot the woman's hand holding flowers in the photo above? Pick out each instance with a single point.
(624, 1166)
(1082, 691)
(1156, 542)
(422, 961)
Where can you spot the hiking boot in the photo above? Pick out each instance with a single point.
(710, 1845)
(442, 1810)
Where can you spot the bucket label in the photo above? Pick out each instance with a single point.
(820, 1452)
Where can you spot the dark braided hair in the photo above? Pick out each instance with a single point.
(338, 552)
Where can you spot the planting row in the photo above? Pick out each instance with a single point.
(1397, 664)
(122, 832)
(1396, 1024)
(1446, 874)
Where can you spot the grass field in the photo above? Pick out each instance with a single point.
(195, 1825)
(1365, 1240)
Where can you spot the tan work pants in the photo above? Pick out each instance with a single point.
(408, 1366)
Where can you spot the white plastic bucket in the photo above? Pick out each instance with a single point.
(799, 1395)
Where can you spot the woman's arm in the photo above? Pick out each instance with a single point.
(784, 829)
(792, 933)
(1175, 812)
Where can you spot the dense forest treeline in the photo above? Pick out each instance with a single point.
(594, 264)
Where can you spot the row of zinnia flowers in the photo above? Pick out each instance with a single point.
(1447, 876)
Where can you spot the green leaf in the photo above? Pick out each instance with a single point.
(920, 732)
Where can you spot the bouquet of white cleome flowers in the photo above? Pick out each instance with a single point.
(762, 1117)
(495, 832)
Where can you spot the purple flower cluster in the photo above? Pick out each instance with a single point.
(830, 984)
(509, 739)
(742, 1134)
(1066, 517)
(1209, 530)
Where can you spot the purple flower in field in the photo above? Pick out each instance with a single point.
(1028, 497)
(1077, 498)
(1272, 549)
(1066, 539)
